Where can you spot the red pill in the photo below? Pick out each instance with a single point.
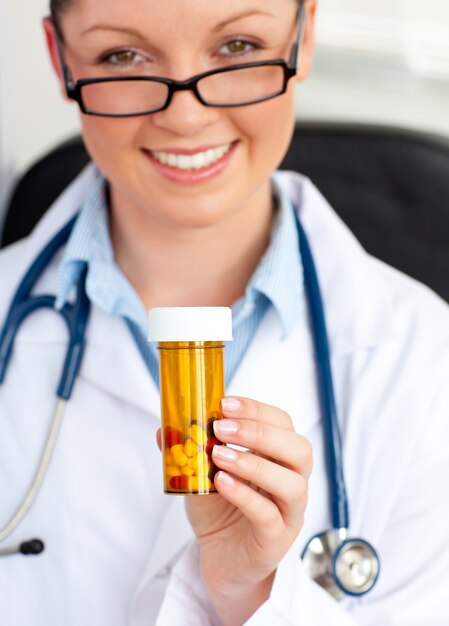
(173, 437)
(211, 442)
(211, 474)
(179, 482)
(215, 415)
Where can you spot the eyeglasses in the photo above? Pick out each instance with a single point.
(232, 86)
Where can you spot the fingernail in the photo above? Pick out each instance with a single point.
(231, 405)
(226, 427)
(225, 479)
(227, 454)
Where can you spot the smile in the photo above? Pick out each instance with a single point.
(189, 162)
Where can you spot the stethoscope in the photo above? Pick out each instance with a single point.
(340, 564)
(76, 316)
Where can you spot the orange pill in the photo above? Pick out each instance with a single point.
(198, 435)
(199, 463)
(193, 483)
(178, 455)
(190, 447)
(172, 470)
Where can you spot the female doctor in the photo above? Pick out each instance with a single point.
(182, 207)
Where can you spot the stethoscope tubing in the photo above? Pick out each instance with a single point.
(332, 440)
(39, 476)
(76, 316)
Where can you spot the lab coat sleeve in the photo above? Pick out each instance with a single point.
(186, 600)
(294, 599)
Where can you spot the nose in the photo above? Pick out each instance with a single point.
(186, 115)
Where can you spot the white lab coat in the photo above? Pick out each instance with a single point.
(116, 546)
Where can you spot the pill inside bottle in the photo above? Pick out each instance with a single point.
(191, 343)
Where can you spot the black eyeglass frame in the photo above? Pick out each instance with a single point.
(290, 68)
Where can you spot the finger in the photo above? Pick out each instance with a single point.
(261, 512)
(288, 489)
(283, 446)
(159, 438)
(233, 406)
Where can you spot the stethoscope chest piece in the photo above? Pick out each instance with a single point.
(340, 565)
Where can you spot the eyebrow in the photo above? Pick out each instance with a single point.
(217, 28)
(240, 16)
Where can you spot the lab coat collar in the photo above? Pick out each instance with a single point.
(65, 206)
(357, 301)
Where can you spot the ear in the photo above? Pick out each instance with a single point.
(52, 47)
(308, 41)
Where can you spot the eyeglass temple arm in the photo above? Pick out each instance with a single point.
(293, 61)
(68, 79)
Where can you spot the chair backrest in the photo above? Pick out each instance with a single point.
(390, 186)
(36, 190)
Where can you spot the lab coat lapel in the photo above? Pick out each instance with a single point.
(113, 362)
(175, 534)
(64, 207)
(281, 372)
(356, 300)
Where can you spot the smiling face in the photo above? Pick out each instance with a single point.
(189, 165)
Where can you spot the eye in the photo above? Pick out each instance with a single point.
(238, 47)
(123, 58)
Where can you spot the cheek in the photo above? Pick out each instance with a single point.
(268, 128)
(107, 139)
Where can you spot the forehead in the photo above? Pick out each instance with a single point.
(173, 16)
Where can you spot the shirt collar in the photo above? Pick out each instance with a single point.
(278, 277)
(90, 243)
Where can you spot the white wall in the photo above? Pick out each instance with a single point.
(33, 115)
(348, 84)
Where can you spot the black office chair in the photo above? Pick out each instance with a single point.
(390, 186)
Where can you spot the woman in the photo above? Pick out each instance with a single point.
(182, 209)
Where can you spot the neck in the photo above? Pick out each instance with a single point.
(169, 265)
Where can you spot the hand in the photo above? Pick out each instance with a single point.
(245, 531)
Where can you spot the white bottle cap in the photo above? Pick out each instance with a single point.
(190, 324)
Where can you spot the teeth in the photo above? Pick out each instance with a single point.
(192, 162)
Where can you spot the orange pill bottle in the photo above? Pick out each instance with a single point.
(191, 364)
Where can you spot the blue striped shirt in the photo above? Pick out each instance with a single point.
(277, 281)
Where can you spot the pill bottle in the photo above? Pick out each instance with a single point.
(191, 365)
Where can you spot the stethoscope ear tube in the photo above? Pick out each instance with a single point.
(39, 476)
(33, 547)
